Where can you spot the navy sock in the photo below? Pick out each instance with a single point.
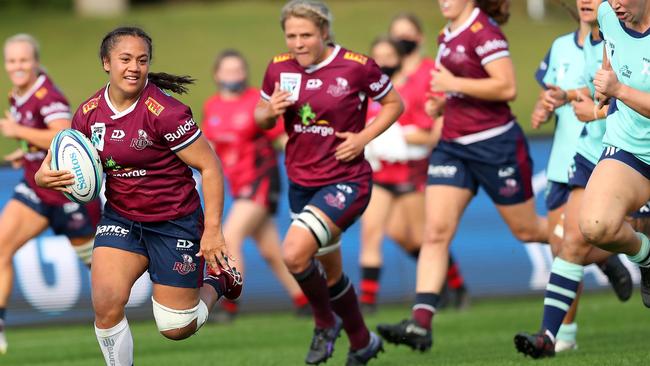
(2, 313)
(560, 293)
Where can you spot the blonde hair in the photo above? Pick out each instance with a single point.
(27, 38)
(315, 11)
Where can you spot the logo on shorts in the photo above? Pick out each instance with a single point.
(186, 267)
(442, 171)
(112, 230)
(182, 244)
(510, 189)
(336, 201)
(142, 141)
(506, 172)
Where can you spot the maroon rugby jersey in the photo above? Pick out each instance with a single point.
(465, 52)
(42, 104)
(330, 97)
(145, 180)
(245, 150)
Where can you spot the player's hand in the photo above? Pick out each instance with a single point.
(352, 145)
(583, 107)
(434, 104)
(554, 97)
(539, 116)
(278, 103)
(59, 180)
(8, 126)
(442, 80)
(214, 250)
(607, 83)
(15, 158)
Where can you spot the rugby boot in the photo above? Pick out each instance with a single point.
(407, 332)
(322, 343)
(232, 280)
(619, 277)
(364, 355)
(645, 285)
(538, 345)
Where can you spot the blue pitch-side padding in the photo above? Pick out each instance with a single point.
(51, 285)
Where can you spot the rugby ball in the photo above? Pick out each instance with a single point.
(72, 151)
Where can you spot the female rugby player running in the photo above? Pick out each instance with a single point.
(38, 111)
(322, 90)
(481, 145)
(250, 165)
(153, 220)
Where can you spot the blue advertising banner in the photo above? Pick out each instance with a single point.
(51, 285)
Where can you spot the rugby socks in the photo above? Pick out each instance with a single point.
(369, 284)
(116, 344)
(560, 293)
(425, 308)
(230, 306)
(218, 283)
(415, 253)
(345, 305)
(455, 280)
(567, 332)
(314, 285)
(642, 258)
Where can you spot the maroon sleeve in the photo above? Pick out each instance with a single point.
(376, 84)
(268, 84)
(54, 106)
(489, 42)
(79, 123)
(178, 128)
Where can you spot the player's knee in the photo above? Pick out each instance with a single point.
(525, 234)
(295, 259)
(109, 304)
(596, 230)
(574, 248)
(438, 233)
(179, 324)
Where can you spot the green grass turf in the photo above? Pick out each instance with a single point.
(188, 36)
(610, 334)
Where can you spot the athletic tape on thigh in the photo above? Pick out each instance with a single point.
(168, 319)
(328, 249)
(312, 221)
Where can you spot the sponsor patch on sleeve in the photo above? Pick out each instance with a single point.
(477, 26)
(283, 57)
(153, 106)
(90, 105)
(355, 57)
(41, 93)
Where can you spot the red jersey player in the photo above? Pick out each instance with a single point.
(38, 111)
(322, 91)
(251, 167)
(153, 220)
(481, 145)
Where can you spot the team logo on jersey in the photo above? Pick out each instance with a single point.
(142, 141)
(314, 84)
(90, 105)
(283, 57)
(625, 71)
(186, 267)
(341, 88)
(97, 133)
(477, 26)
(153, 106)
(290, 82)
(111, 164)
(310, 125)
(336, 201)
(378, 85)
(307, 115)
(41, 93)
(117, 135)
(353, 56)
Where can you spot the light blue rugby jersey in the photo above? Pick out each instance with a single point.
(563, 66)
(629, 53)
(590, 144)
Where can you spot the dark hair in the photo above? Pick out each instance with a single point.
(162, 80)
(409, 17)
(494, 8)
(390, 41)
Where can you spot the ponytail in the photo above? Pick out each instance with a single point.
(496, 9)
(174, 83)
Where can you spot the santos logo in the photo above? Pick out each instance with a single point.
(76, 168)
(180, 131)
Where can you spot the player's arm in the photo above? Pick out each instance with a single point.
(200, 156)
(35, 136)
(555, 97)
(267, 111)
(540, 114)
(608, 86)
(353, 144)
(499, 86)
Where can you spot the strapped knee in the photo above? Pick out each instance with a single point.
(312, 220)
(169, 319)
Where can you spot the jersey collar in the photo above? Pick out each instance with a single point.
(117, 114)
(20, 100)
(325, 62)
(451, 35)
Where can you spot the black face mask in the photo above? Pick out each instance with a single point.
(232, 86)
(390, 70)
(407, 46)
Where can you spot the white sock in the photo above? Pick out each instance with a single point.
(116, 344)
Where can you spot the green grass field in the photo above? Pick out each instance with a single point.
(188, 36)
(610, 334)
